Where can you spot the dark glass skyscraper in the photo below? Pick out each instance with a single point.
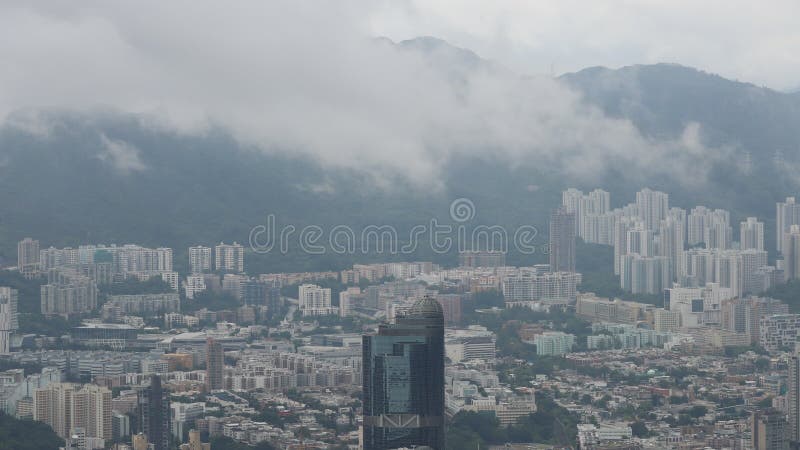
(154, 414)
(404, 381)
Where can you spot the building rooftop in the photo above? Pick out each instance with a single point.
(427, 307)
(110, 326)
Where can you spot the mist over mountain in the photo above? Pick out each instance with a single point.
(183, 190)
(662, 98)
(143, 181)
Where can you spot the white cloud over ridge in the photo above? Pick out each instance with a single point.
(121, 156)
(307, 78)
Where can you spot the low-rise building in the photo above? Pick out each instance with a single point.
(554, 343)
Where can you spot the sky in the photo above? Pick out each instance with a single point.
(755, 42)
(312, 78)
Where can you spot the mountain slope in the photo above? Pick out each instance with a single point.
(662, 99)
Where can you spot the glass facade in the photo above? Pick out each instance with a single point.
(403, 381)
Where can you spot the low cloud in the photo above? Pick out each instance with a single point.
(121, 156)
(309, 79)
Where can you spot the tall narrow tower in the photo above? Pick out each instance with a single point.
(791, 253)
(215, 363)
(154, 415)
(751, 234)
(793, 397)
(787, 214)
(562, 241)
(28, 256)
(9, 321)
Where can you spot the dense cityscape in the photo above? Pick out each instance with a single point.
(693, 353)
(399, 225)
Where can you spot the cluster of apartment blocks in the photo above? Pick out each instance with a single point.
(538, 283)
(377, 272)
(67, 406)
(132, 367)
(282, 371)
(147, 305)
(359, 272)
(99, 261)
(710, 315)
(227, 258)
(656, 245)
(17, 390)
(73, 274)
(260, 290)
(521, 286)
(614, 336)
(69, 409)
(392, 298)
(87, 417)
(123, 259)
(70, 290)
(625, 336)
(374, 297)
(313, 299)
